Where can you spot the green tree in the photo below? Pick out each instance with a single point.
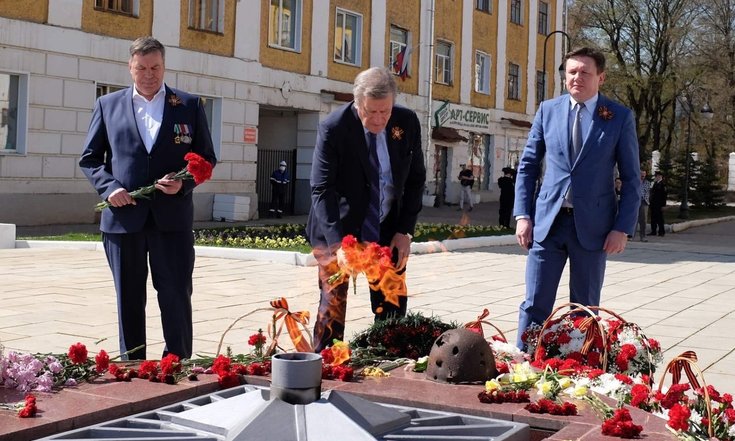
(708, 191)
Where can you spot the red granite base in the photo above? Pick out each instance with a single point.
(106, 399)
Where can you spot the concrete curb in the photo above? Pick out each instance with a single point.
(307, 259)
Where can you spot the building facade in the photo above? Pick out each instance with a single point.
(268, 71)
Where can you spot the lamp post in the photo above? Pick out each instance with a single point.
(561, 67)
(706, 112)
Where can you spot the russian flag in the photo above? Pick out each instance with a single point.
(400, 65)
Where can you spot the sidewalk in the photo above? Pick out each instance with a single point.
(679, 288)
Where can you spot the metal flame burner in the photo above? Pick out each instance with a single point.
(282, 413)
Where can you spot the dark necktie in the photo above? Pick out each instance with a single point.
(577, 133)
(371, 224)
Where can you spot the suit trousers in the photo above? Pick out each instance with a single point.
(330, 320)
(171, 256)
(544, 267)
(657, 220)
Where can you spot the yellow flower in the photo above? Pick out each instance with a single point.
(492, 385)
(545, 387)
(565, 382)
(579, 391)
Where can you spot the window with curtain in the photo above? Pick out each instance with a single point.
(284, 24)
(207, 15)
(443, 63)
(482, 72)
(118, 6)
(347, 37)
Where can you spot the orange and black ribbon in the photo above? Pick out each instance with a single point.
(683, 362)
(476, 325)
(591, 329)
(292, 320)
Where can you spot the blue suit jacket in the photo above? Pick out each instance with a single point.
(611, 141)
(115, 157)
(339, 182)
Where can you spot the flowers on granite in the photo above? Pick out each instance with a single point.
(25, 409)
(44, 372)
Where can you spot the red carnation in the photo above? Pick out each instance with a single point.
(221, 365)
(639, 395)
(170, 365)
(228, 380)
(256, 339)
(78, 353)
(148, 369)
(198, 167)
(30, 408)
(679, 417)
(621, 425)
(102, 362)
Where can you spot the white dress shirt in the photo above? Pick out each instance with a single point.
(148, 115)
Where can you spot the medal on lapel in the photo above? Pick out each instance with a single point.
(177, 131)
(174, 100)
(186, 137)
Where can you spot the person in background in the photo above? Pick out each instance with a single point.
(576, 142)
(618, 187)
(643, 208)
(279, 185)
(367, 180)
(658, 202)
(466, 181)
(137, 136)
(507, 185)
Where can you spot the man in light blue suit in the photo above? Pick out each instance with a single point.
(577, 142)
(138, 136)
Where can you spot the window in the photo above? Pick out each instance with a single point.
(514, 82)
(127, 7)
(443, 63)
(543, 18)
(13, 108)
(284, 28)
(515, 12)
(207, 15)
(347, 37)
(540, 86)
(398, 44)
(104, 89)
(482, 73)
(483, 5)
(213, 110)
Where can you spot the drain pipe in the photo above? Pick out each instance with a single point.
(296, 377)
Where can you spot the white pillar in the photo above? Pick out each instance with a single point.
(731, 173)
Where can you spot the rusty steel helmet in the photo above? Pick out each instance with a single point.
(461, 356)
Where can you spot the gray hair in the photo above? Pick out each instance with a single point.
(146, 45)
(376, 82)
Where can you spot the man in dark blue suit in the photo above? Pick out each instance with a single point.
(367, 180)
(138, 136)
(581, 138)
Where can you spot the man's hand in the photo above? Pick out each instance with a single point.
(402, 243)
(168, 185)
(524, 233)
(615, 242)
(120, 198)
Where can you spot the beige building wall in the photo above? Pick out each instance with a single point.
(448, 27)
(485, 31)
(30, 10)
(342, 71)
(118, 25)
(517, 53)
(206, 41)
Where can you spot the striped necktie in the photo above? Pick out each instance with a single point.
(371, 224)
